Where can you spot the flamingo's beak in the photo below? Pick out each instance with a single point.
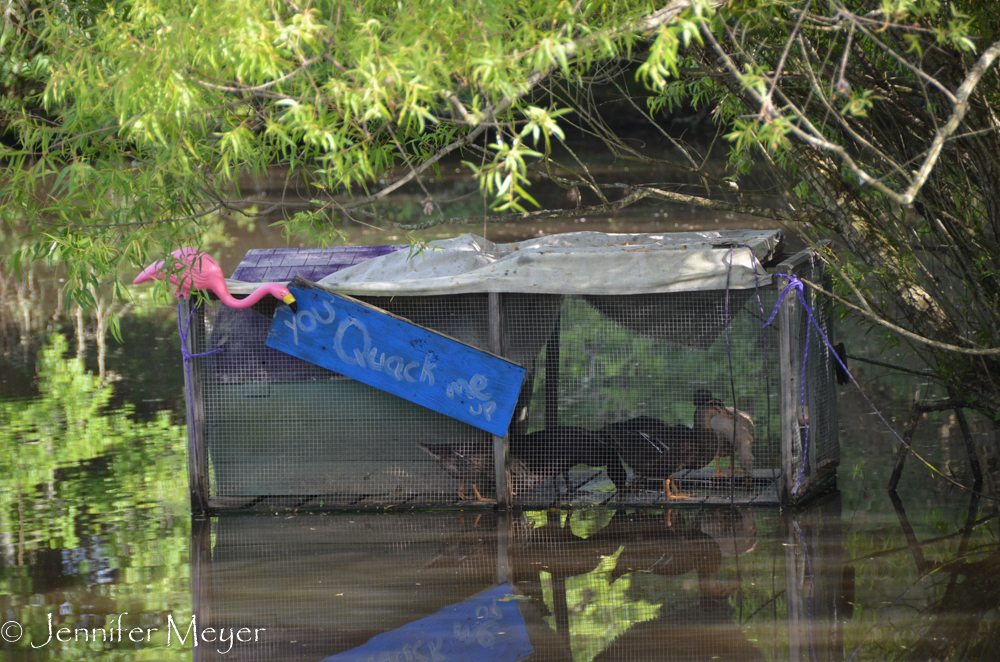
(149, 273)
(290, 300)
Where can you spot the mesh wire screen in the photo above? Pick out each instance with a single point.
(619, 389)
(279, 426)
(593, 584)
(621, 393)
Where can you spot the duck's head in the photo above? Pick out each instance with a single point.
(707, 408)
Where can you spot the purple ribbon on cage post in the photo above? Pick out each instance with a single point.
(795, 284)
(183, 330)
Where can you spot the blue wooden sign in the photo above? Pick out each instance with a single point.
(379, 349)
(486, 628)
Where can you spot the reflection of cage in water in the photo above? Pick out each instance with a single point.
(610, 379)
(596, 583)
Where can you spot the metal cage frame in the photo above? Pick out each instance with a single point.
(809, 448)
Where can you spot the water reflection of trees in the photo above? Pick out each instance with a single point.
(147, 363)
(92, 505)
(32, 308)
(951, 597)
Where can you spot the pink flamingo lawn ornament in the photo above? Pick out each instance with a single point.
(197, 270)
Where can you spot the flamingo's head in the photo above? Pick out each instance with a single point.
(281, 292)
(182, 262)
(149, 273)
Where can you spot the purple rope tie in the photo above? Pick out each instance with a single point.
(183, 330)
(798, 285)
(184, 334)
(795, 284)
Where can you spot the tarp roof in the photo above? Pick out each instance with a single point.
(574, 263)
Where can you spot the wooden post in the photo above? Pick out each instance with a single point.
(552, 376)
(503, 548)
(786, 372)
(831, 438)
(201, 561)
(501, 445)
(193, 378)
(793, 596)
(813, 372)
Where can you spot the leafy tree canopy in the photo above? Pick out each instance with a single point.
(127, 124)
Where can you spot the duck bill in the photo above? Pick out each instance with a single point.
(290, 300)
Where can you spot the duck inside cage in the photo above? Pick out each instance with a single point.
(630, 369)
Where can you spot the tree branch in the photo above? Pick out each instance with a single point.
(630, 199)
(903, 332)
(263, 86)
(668, 13)
(815, 137)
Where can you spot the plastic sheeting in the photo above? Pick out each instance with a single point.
(586, 263)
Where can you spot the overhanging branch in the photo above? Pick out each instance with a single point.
(486, 118)
(634, 195)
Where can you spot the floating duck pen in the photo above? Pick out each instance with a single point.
(645, 358)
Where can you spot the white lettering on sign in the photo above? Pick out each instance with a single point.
(366, 356)
(484, 631)
(474, 388)
(307, 320)
(412, 653)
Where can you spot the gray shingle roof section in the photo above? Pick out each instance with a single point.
(274, 265)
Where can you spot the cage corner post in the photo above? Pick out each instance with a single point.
(201, 561)
(501, 445)
(786, 371)
(193, 378)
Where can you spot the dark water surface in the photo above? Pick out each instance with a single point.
(95, 533)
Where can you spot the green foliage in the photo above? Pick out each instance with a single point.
(70, 424)
(148, 116)
(505, 177)
(76, 471)
(129, 126)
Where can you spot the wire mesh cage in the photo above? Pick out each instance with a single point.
(636, 399)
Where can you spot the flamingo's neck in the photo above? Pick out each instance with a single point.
(254, 297)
